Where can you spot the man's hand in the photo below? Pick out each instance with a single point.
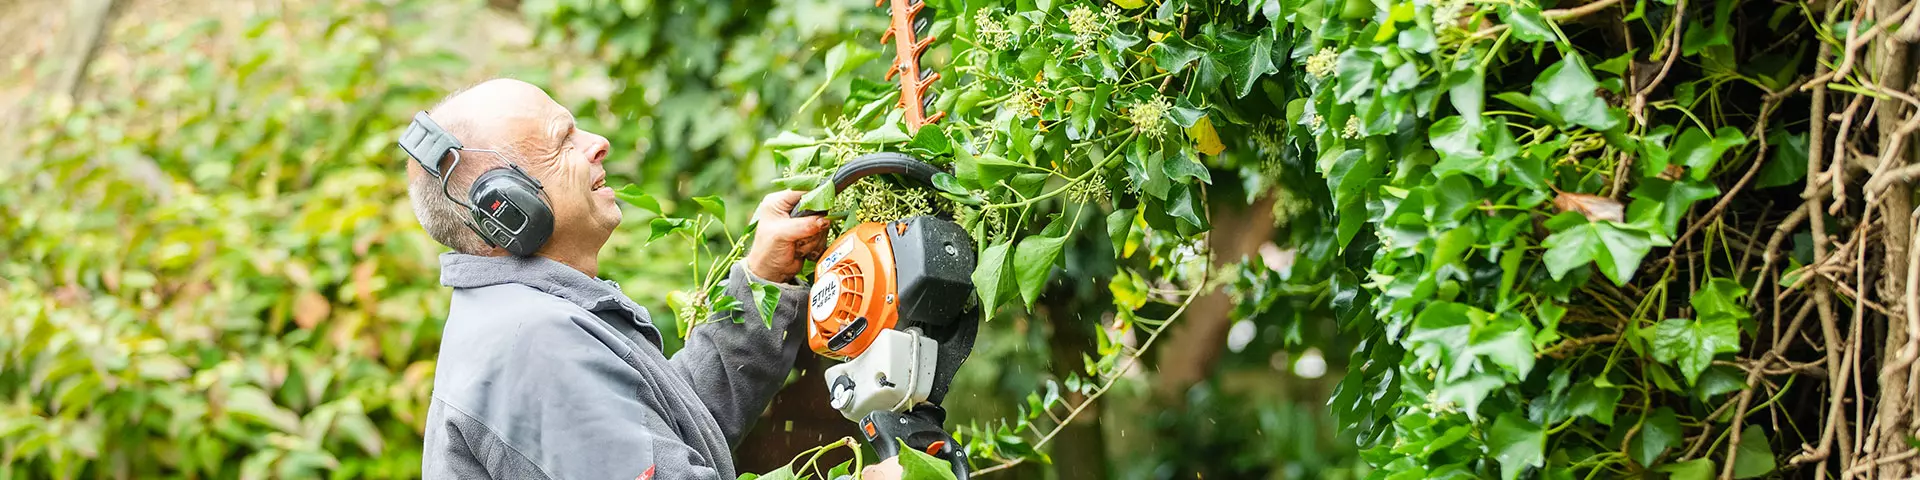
(781, 245)
(887, 470)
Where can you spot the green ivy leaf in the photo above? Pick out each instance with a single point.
(799, 182)
(1570, 88)
(817, 200)
(1517, 444)
(1662, 203)
(1173, 54)
(1468, 392)
(714, 205)
(990, 278)
(1246, 58)
(1457, 140)
(1756, 456)
(1182, 168)
(1467, 91)
(1033, 262)
(766, 298)
(887, 133)
(931, 141)
(843, 469)
(790, 139)
(1591, 400)
(1719, 380)
(847, 56)
(662, 226)
(988, 169)
(1699, 153)
(1508, 346)
(1691, 344)
(1350, 173)
(1657, 432)
(1152, 177)
(1617, 250)
(785, 472)
(946, 182)
(918, 465)
(1526, 23)
(1788, 164)
(1531, 106)
(801, 157)
(1720, 296)
(1182, 205)
(1119, 223)
(1696, 469)
(723, 302)
(1355, 73)
(631, 194)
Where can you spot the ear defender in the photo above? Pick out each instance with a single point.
(505, 205)
(509, 212)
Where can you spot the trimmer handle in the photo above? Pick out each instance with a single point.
(919, 428)
(875, 164)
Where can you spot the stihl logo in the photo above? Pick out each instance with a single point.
(646, 475)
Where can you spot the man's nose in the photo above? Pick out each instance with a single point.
(597, 148)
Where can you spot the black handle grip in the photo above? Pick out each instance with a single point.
(919, 428)
(875, 164)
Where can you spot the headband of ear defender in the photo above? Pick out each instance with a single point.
(505, 204)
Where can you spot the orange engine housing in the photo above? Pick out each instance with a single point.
(853, 293)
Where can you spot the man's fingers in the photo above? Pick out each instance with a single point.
(796, 229)
(781, 202)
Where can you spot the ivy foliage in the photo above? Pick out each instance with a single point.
(1501, 187)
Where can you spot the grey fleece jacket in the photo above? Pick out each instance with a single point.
(545, 372)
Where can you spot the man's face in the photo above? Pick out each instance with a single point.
(566, 160)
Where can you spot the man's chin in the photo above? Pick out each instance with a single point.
(611, 219)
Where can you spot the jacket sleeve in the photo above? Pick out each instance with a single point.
(572, 405)
(735, 362)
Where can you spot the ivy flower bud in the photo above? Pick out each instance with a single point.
(1322, 63)
(1352, 129)
(1087, 26)
(1149, 117)
(1091, 190)
(991, 34)
(1446, 13)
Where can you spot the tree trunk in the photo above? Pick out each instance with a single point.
(1897, 396)
(88, 24)
(1193, 347)
(1080, 451)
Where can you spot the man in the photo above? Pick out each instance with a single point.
(546, 371)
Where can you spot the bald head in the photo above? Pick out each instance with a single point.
(510, 116)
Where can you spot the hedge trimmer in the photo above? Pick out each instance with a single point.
(909, 31)
(893, 300)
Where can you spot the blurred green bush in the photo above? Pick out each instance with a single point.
(210, 266)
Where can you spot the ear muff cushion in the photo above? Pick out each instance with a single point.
(508, 208)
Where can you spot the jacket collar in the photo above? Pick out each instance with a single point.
(459, 270)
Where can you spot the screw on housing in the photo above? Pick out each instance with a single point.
(906, 31)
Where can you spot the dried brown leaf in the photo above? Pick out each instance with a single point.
(1594, 207)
